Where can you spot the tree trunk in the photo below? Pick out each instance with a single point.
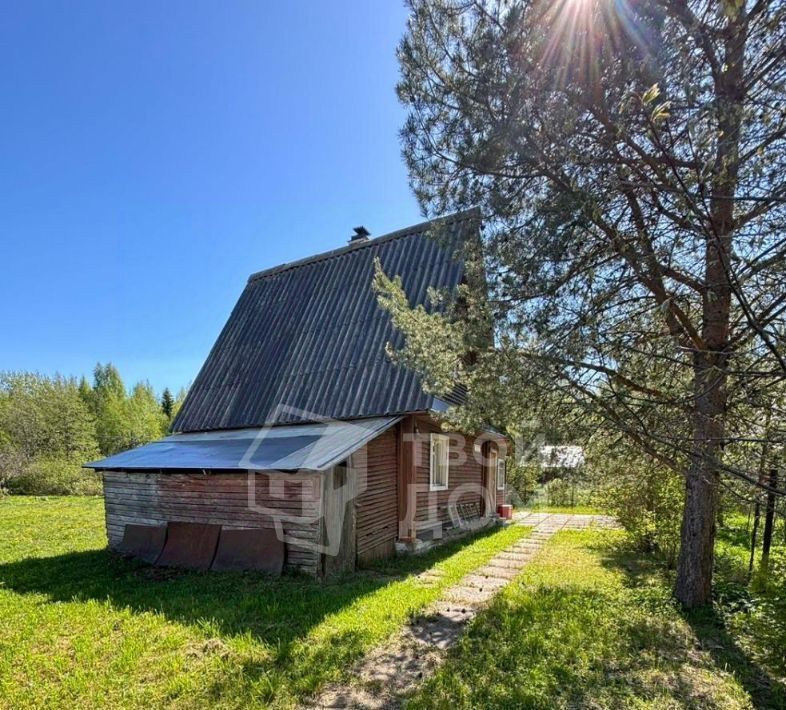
(783, 515)
(762, 474)
(754, 534)
(693, 586)
(769, 520)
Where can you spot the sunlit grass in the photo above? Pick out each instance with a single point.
(591, 624)
(82, 628)
(569, 509)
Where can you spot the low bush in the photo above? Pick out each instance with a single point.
(55, 477)
(644, 496)
(522, 480)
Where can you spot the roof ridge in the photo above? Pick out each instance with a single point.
(454, 217)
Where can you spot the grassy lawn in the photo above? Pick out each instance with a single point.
(82, 628)
(570, 509)
(589, 624)
(755, 613)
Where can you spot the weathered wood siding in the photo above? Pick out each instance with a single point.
(377, 504)
(465, 470)
(339, 489)
(221, 499)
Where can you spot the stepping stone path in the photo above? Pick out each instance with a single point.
(391, 671)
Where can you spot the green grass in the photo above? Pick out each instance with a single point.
(574, 509)
(80, 627)
(591, 624)
(753, 611)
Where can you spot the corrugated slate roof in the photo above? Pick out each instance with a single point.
(306, 340)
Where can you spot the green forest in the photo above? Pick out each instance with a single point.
(51, 425)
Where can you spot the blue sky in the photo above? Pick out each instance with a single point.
(154, 154)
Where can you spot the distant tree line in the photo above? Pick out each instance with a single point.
(51, 425)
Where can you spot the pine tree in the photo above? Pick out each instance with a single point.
(167, 404)
(630, 163)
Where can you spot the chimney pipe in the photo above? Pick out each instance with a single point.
(361, 235)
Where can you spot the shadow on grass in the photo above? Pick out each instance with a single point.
(709, 627)
(274, 610)
(546, 646)
(707, 624)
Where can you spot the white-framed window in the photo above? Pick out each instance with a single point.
(438, 470)
(500, 473)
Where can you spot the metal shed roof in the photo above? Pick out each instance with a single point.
(310, 335)
(313, 447)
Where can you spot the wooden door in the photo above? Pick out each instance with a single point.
(490, 479)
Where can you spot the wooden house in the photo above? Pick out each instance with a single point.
(301, 445)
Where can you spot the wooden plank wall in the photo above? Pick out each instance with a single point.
(221, 499)
(339, 489)
(377, 505)
(432, 505)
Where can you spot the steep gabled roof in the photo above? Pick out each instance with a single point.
(307, 339)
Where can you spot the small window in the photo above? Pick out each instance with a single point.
(440, 446)
(501, 473)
